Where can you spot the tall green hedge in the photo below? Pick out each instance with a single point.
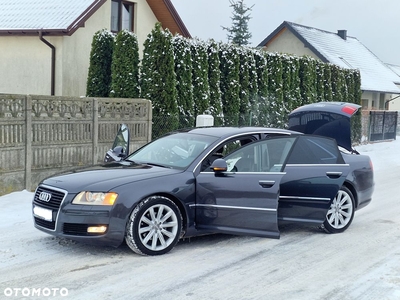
(260, 106)
(125, 66)
(214, 79)
(201, 89)
(244, 82)
(99, 74)
(184, 84)
(275, 89)
(158, 79)
(230, 83)
(237, 85)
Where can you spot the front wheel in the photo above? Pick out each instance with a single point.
(341, 213)
(154, 226)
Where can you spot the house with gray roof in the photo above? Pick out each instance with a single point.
(379, 83)
(394, 103)
(45, 44)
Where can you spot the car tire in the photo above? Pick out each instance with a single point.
(341, 212)
(154, 226)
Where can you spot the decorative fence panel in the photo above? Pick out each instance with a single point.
(382, 125)
(44, 135)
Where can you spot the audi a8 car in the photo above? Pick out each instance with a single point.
(190, 182)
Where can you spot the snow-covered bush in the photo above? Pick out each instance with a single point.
(99, 75)
(125, 66)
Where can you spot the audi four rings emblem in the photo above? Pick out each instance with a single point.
(45, 196)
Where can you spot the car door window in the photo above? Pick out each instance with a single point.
(264, 156)
(225, 149)
(315, 150)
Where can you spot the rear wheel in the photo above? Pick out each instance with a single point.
(341, 213)
(154, 226)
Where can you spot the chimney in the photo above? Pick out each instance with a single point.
(342, 34)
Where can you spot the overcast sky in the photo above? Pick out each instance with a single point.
(375, 23)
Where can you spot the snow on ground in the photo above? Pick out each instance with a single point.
(305, 264)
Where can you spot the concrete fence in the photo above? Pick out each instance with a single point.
(43, 135)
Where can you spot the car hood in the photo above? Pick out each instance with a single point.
(106, 177)
(330, 119)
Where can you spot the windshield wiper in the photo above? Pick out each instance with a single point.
(156, 165)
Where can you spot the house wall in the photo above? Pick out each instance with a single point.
(25, 65)
(374, 100)
(26, 61)
(395, 103)
(292, 45)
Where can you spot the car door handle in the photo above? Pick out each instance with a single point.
(266, 183)
(334, 174)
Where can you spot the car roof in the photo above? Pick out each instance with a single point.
(228, 131)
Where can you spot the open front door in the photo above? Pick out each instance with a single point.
(241, 195)
(238, 203)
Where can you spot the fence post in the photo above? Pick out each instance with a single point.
(95, 130)
(28, 142)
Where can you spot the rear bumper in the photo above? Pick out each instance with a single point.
(365, 197)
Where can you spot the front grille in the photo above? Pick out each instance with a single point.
(45, 224)
(77, 229)
(55, 200)
(50, 199)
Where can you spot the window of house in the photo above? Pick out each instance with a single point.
(122, 13)
(364, 103)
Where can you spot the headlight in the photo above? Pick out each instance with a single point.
(95, 198)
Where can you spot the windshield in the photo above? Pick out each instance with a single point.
(177, 150)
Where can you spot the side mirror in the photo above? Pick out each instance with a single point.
(219, 165)
(120, 148)
(115, 154)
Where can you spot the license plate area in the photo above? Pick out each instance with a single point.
(43, 213)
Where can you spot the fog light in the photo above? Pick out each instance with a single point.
(97, 229)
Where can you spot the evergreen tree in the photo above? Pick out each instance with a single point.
(244, 82)
(201, 90)
(356, 120)
(158, 80)
(260, 106)
(214, 78)
(239, 33)
(307, 80)
(336, 83)
(275, 89)
(183, 70)
(287, 93)
(229, 58)
(125, 66)
(253, 85)
(295, 82)
(320, 77)
(327, 83)
(99, 74)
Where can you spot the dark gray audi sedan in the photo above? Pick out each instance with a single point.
(243, 181)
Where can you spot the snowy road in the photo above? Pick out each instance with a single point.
(361, 263)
